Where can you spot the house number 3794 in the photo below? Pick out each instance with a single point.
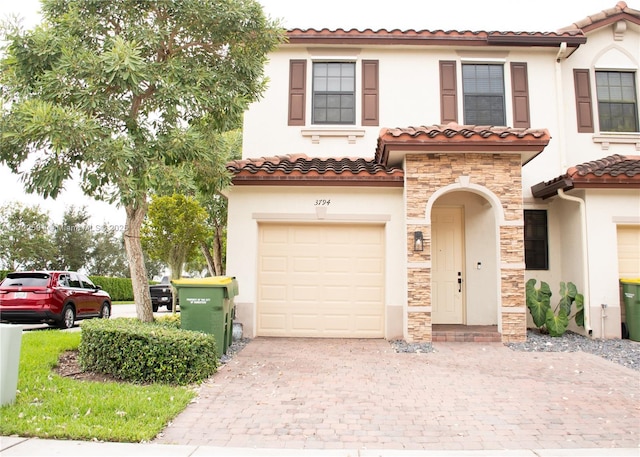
(322, 202)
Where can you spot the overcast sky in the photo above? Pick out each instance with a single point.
(487, 15)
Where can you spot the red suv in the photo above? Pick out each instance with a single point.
(52, 297)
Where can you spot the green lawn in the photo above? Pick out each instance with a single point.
(50, 406)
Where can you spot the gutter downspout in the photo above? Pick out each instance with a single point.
(560, 108)
(585, 263)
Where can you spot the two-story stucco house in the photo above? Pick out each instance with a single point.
(394, 183)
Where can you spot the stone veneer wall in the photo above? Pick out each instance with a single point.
(498, 173)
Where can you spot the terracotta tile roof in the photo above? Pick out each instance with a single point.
(616, 171)
(605, 17)
(573, 38)
(460, 138)
(299, 169)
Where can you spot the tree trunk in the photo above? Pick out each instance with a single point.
(217, 253)
(217, 249)
(135, 256)
(207, 255)
(176, 269)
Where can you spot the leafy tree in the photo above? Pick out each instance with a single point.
(121, 90)
(154, 267)
(205, 181)
(107, 254)
(72, 239)
(216, 205)
(174, 229)
(25, 238)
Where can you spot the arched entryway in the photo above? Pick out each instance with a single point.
(465, 274)
(485, 161)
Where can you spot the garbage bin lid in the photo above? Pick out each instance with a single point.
(208, 281)
(630, 280)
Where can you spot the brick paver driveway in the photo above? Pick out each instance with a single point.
(327, 393)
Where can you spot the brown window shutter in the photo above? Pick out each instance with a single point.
(297, 89)
(448, 92)
(583, 100)
(520, 93)
(370, 92)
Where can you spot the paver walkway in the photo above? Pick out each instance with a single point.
(327, 393)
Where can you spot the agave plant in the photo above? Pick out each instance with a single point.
(554, 321)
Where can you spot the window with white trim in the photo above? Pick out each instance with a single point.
(617, 101)
(484, 94)
(334, 93)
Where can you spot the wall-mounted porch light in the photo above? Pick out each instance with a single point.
(418, 241)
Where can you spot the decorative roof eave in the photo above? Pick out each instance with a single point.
(434, 38)
(454, 138)
(308, 181)
(620, 12)
(301, 170)
(613, 172)
(611, 20)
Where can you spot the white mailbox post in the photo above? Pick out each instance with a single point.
(10, 342)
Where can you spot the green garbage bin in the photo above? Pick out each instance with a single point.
(207, 305)
(631, 297)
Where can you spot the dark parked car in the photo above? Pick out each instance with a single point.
(53, 297)
(161, 295)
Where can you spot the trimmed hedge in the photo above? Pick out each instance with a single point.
(147, 352)
(120, 289)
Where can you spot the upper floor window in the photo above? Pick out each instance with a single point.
(334, 97)
(483, 92)
(617, 101)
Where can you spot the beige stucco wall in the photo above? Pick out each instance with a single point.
(605, 209)
(409, 96)
(248, 205)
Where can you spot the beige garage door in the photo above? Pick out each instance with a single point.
(629, 251)
(321, 281)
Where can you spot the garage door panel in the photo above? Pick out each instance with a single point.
(368, 265)
(367, 295)
(271, 235)
(274, 264)
(305, 264)
(272, 322)
(337, 323)
(304, 321)
(304, 293)
(273, 292)
(337, 264)
(336, 294)
(628, 251)
(333, 276)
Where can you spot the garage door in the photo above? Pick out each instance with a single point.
(629, 251)
(321, 281)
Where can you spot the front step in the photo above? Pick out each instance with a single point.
(466, 333)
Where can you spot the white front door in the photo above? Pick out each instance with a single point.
(447, 280)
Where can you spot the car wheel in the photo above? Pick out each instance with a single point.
(169, 306)
(154, 306)
(68, 317)
(105, 311)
